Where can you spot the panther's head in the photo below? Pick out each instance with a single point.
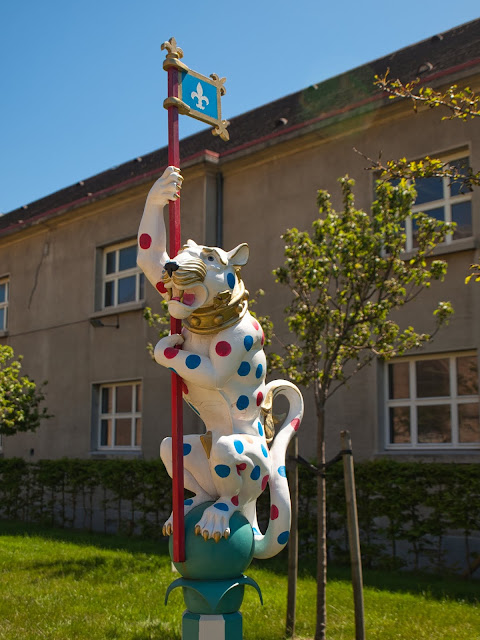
(199, 277)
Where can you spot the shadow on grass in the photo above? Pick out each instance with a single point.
(433, 586)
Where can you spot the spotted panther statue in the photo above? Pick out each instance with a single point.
(220, 358)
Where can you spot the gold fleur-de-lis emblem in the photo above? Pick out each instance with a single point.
(198, 94)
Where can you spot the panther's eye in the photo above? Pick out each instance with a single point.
(211, 259)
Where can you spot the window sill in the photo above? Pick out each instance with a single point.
(100, 454)
(470, 455)
(4, 333)
(115, 311)
(465, 244)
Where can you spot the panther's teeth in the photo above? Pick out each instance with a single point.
(197, 529)
(169, 529)
(164, 530)
(226, 534)
(205, 535)
(217, 536)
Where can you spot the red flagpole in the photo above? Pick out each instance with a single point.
(176, 327)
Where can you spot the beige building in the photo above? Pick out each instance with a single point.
(72, 298)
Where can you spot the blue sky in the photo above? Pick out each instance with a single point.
(82, 83)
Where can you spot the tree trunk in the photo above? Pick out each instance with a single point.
(321, 623)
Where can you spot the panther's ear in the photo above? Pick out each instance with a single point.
(191, 243)
(239, 256)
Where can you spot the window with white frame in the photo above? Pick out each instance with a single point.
(4, 291)
(445, 199)
(120, 416)
(433, 402)
(122, 280)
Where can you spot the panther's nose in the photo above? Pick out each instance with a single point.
(170, 267)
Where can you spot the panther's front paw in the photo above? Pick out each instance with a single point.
(215, 521)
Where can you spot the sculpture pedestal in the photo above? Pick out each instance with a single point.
(212, 579)
(197, 626)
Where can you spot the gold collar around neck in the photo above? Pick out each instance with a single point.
(227, 310)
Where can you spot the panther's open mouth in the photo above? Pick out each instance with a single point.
(183, 302)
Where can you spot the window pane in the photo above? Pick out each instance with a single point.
(467, 376)
(106, 433)
(428, 189)
(433, 378)
(468, 423)
(462, 216)
(107, 400)
(109, 294)
(110, 262)
(398, 380)
(123, 399)
(457, 187)
(138, 432)
(399, 425)
(126, 289)
(141, 294)
(123, 432)
(438, 213)
(3, 292)
(138, 398)
(2, 319)
(127, 258)
(434, 424)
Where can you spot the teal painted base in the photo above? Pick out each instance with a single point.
(196, 626)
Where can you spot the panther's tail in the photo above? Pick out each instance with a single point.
(278, 529)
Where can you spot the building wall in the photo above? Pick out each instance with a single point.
(54, 274)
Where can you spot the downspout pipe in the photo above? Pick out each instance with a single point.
(219, 211)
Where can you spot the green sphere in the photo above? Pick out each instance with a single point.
(210, 560)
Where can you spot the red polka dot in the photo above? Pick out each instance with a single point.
(265, 482)
(263, 339)
(185, 388)
(295, 423)
(235, 500)
(255, 325)
(241, 467)
(259, 398)
(273, 512)
(145, 241)
(223, 348)
(160, 287)
(170, 353)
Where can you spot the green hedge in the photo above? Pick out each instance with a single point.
(414, 503)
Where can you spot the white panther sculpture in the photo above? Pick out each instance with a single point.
(223, 367)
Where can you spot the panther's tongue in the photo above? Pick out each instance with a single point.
(188, 299)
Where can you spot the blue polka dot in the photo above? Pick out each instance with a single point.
(255, 531)
(248, 342)
(259, 371)
(244, 369)
(255, 473)
(188, 502)
(221, 506)
(282, 471)
(222, 470)
(283, 537)
(260, 428)
(238, 446)
(193, 361)
(242, 403)
(186, 449)
(231, 280)
(264, 451)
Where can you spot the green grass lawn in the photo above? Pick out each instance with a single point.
(62, 585)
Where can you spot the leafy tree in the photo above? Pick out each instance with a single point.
(347, 278)
(20, 399)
